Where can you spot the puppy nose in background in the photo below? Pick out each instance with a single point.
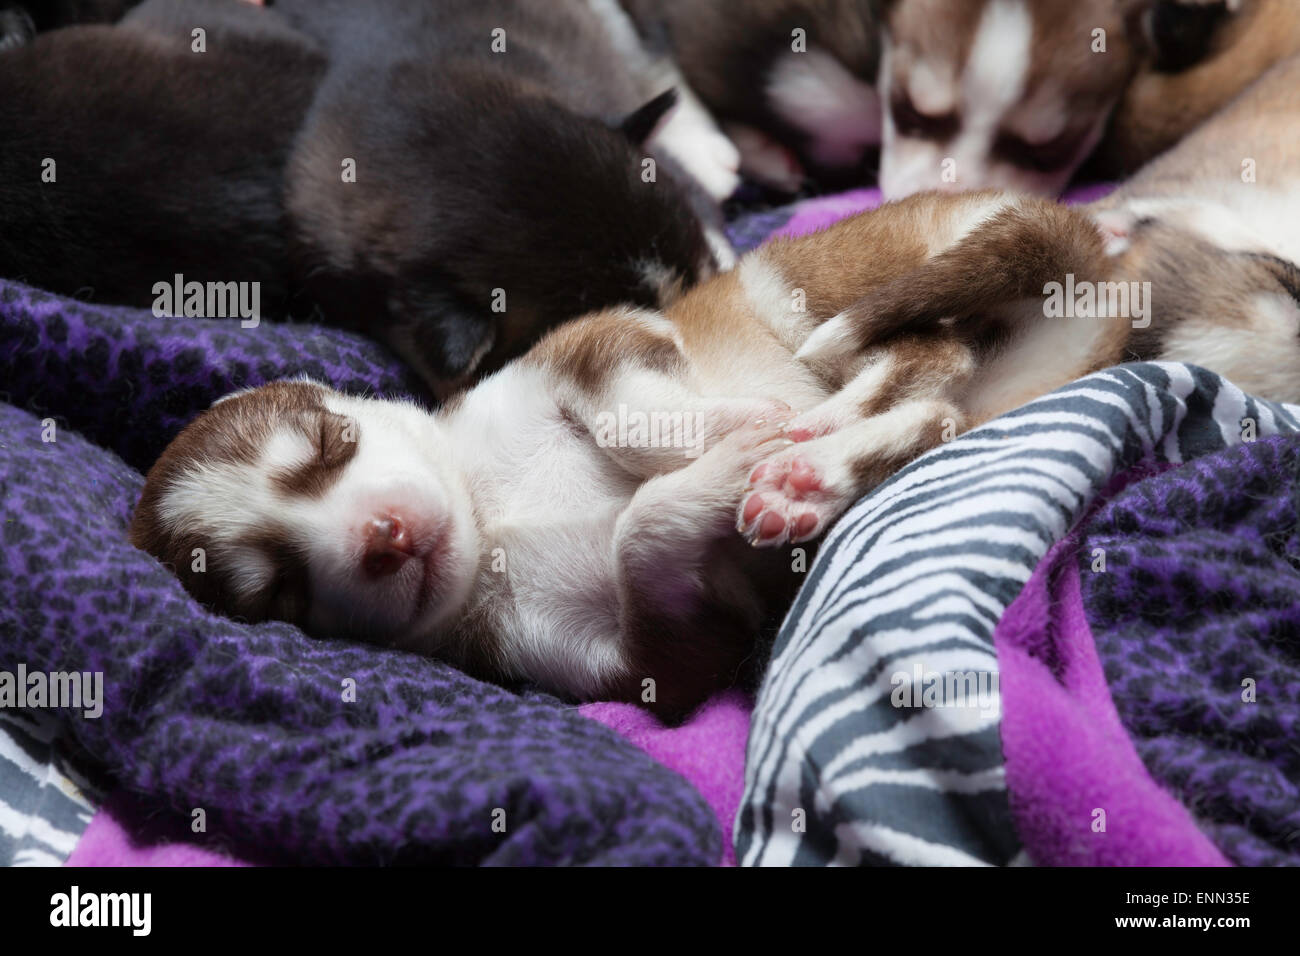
(388, 545)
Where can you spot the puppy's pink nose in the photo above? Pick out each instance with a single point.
(388, 545)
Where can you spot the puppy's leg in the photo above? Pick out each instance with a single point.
(902, 404)
(686, 620)
(662, 537)
(691, 136)
(625, 378)
(1009, 257)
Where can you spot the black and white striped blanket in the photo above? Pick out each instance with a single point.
(917, 576)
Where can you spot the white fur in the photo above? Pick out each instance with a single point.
(1239, 354)
(840, 112)
(986, 94)
(690, 135)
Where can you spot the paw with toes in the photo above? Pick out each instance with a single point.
(788, 498)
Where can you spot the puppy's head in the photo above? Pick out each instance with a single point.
(295, 502)
(537, 215)
(1010, 94)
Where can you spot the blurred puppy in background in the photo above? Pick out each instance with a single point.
(387, 170)
(1199, 54)
(792, 82)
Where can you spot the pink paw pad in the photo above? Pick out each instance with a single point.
(804, 525)
(772, 526)
(788, 501)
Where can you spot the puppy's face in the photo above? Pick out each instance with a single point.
(1008, 94)
(556, 215)
(295, 502)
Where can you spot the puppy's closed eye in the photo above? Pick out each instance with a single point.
(334, 440)
(1048, 157)
(338, 439)
(909, 121)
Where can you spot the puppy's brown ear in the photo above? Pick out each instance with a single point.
(1010, 257)
(639, 125)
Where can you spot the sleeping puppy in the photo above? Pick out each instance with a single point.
(339, 182)
(1011, 94)
(573, 519)
(954, 94)
(792, 82)
(512, 194)
(1199, 55)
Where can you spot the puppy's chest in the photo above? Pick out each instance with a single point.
(538, 477)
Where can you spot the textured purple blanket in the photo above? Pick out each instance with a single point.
(1197, 627)
(1151, 672)
(294, 750)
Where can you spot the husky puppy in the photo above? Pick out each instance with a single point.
(573, 519)
(451, 201)
(1199, 55)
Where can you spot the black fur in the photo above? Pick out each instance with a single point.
(1181, 33)
(20, 20)
(482, 179)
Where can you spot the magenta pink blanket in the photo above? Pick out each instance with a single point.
(1057, 713)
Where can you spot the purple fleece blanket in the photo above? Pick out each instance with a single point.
(1197, 628)
(1151, 672)
(1077, 788)
(249, 723)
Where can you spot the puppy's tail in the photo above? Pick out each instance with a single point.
(1008, 257)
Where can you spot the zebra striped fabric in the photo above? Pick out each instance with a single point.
(43, 813)
(841, 767)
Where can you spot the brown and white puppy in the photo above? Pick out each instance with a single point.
(572, 519)
(1008, 94)
(1201, 54)
(1214, 225)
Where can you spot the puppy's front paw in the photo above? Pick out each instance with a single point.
(790, 497)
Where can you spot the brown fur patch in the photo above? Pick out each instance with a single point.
(922, 365)
(232, 431)
(336, 438)
(588, 351)
(1008, 258)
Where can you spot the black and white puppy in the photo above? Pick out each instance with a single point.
(391, 172)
